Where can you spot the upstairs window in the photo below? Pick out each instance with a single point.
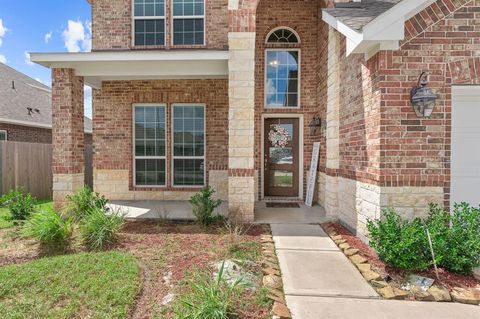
(282, 36)
(3, 135)
(149, 22)
(188, 22)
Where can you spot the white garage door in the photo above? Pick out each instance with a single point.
(465, 145)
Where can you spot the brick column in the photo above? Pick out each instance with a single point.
(67, 134)
(241, 180)
(333, 124)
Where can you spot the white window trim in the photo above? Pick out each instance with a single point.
(164, 17)
(280, 28)
(6, 135)
(135, 105)
(204, 157)
(265, 87)
(172, 31)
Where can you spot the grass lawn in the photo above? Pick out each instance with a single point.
(85, 285)
(5, 214)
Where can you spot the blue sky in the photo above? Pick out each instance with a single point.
(43, 26)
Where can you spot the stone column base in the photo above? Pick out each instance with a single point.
(65, 184)
(241, 198)
(331, 196)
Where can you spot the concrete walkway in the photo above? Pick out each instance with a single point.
(320, 282)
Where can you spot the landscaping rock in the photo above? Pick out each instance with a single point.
(468, 296)
(440, 294)
(419, 282)
(371, 275)
(357, 259)
(168, 299)
(280, 310)
(266, 239)
(270, 271)
(344, 246)
(421, 295)
(350, 252)
(266, 264)
(232, 272)
(340, 241)
(338, 237)
(364, 268)
(272, 281)
(379, 283)
(391, 293)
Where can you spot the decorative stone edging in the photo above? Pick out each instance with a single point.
(385, 290)
(272, 279)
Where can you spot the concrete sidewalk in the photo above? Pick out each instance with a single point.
(321, 283)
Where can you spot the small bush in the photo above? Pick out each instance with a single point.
(19, 203)
(49, 228)
(203, 206)
(463, 240)
(100, 227)
(438, 223)
(209, 297)
(400, 243)
(82, 202)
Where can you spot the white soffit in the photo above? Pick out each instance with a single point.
(96, 67)
(383, 33)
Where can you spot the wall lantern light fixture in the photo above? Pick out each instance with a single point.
(315, 125)
(423, 98)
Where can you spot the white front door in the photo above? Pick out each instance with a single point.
(465, 166)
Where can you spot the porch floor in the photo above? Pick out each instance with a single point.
(182, 211)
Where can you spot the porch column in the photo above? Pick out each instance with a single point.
(67, 134)
(241, 173)
(333, 125)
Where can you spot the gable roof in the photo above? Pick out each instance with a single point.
(358, 14)
(25, 101)
(373, 25)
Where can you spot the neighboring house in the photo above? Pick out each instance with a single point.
(190, 93)
(26, 109)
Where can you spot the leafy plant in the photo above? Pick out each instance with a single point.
(49, 228)
(400, 243)
(209, 297)
(19, 203)
(83, 201)
(100, 227)
(203, 206)
(437, 224)
(463, 241)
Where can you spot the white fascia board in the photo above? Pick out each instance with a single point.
(354, 38)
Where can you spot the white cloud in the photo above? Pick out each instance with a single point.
(38, 79)
(78, 36)
(27, 58)
(48, 36)
(3, 30)
(3, 59)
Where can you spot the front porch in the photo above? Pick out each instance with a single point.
(182, 211)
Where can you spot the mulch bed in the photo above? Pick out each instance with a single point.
(447, 279)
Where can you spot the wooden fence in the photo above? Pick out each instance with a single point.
(29, 165)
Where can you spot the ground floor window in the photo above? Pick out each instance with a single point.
(188, 145)
(149, 145)
(3, 135)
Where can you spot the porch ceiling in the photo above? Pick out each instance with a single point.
(96, 67)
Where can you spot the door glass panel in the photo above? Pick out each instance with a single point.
(281, 179)
(288, 127)
(281, 155)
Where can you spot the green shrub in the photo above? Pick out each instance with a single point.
(438, 223)
(400, 243)
(100, 227)
(83, 201)
(19, 203)
(209, 297)
(49, 228)
(463, 242)
(203, 206)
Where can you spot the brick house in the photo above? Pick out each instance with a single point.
(233, 94)
(26, 109)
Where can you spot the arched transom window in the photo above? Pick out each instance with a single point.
(282, 35)
(282, 78)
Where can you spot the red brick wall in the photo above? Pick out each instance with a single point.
(303, 16)
(443, 39)
(112, 25)
(18, 133)
(112, 122)
(67, 122)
